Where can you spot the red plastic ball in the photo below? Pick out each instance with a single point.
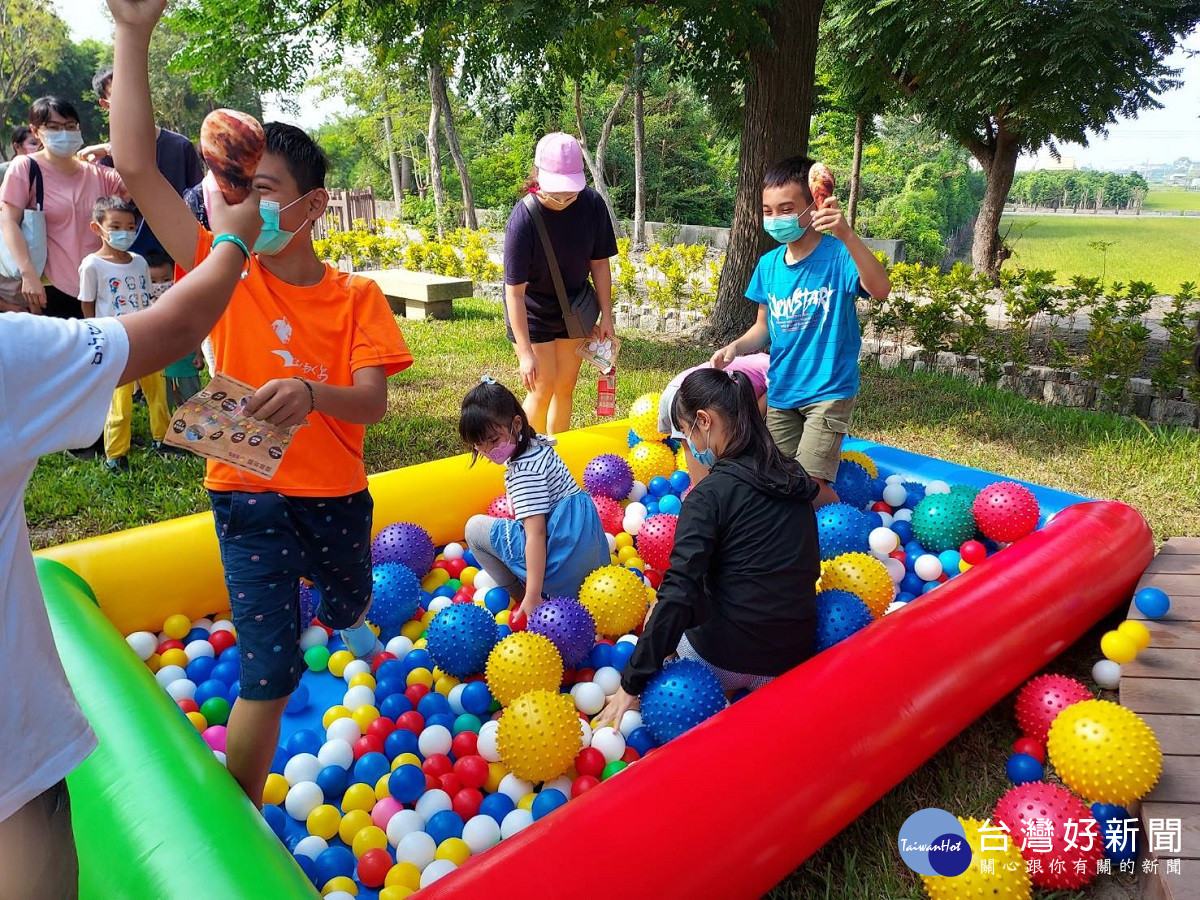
(1032, 747)
(169, 645)
(518, 621)
(1006, 511)
(432, 783)
(415, 692)
(972, 552)
(654, 577)
(443, 564)
(472, 771)
(368, 743)
(380, 658)
(900, 555)
(1042, 699)
(655, 540)
(465, 743)
(881, 506)
(500, 508)
(455, 566)
(373, 867)
(630, 755)
(437, 765)
(590, 761)
(450, 784)
(582, 675)
(221, 641)
(411, 721)
(583, 784)
(1026, 810)
(187, 706)
(461, 596)
(612, 515)
(466, 803)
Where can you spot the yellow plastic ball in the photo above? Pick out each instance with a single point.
(340, 883)
(649, 459)
(526, 802)
(862, 575)
(503, 616)
(406, 759)
(1136, 632)
(453, 849)
(338, 662)
(352, 823)
(445, 684)
(333, 714)
(623, 539)
(616, 598)
(613, 560)
(643, 417)
(275, 790)
(402, 875)
(420, 675)
(198, 721)
(626, 553)
(635, 562)
(370, 838)
(412, 630)
(522, 662)
(681, 458)
(174, 657)
(358, 796)
(1118, 647)
(539, 735)
(496, 773)
(381, 787)
(436, 577)
(1104, 752)
(154, 662)
(863, 460)
(324, 821)
(427, 617)
(1006, 878)
(177, 626)
(467, 575)
(421, 642)
(364, 716)
(363, 678)
(397, 892)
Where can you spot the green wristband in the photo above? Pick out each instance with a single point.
(232, 239)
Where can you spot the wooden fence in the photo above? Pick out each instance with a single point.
(345, 208)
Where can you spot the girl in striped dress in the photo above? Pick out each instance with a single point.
(555, 538)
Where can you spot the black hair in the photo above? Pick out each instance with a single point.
(42, 107)
(156, 258)
(305, 159)
(102, 82)
(194, 198)
(730, 395)
(106, 205)
(20, 133)
(488, 406)
(793, 170)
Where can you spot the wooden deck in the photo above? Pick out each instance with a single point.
(1163, 686)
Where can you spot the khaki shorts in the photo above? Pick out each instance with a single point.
(813, 434)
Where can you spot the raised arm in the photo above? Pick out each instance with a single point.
(133, 137)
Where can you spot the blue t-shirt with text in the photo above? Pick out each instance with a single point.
(812, 322)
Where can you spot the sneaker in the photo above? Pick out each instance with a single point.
(86, 453)
(118, 465)
(164, 449)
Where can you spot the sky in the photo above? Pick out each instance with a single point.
(1155, 136)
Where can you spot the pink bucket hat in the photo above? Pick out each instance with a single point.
(559, 162)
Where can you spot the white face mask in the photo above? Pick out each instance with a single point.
(62, 143)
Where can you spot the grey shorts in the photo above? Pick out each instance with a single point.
(813, 434)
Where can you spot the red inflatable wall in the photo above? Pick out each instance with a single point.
(838, 732)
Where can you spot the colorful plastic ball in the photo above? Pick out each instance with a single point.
(521, 662)
(1006, 511)
(302, 798)
(1107, 674)
(480, 833)
(334, 862)
(1104, 752)
(1030, 747)
(496, 806)
(332, 781)
(515, 822)
(680, 696)
(608, 475)
(460, 637)
(972, 552)
(1120, 832)
(862, 575)
(612, 768)
(546, 802)
(928, 567)
(476, 698)
(373, 867)
(396, 593)
(839, 615)
(444, 824)
(612, 515)
(943, 522)
(1152, 602)
(538, 736)
(404, 543)
(1136, 632)
(655, 540)
(435, 739)
(298, 701)
(324, 820)
(177, 626)
(1118, 647)
(567, 624)
(1041, 700)
(616, 598)
(649, 459)
(1022, 768)
(853, 484)
(670, 505)
(317, 658)
(1028, 807)
(658, 487)
(370, 768)
(997, 871)
(276, 818)
(500, 508)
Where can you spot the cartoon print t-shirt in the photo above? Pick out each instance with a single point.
(812, 322)
(117, 289)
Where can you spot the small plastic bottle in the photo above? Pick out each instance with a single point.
(606, 394)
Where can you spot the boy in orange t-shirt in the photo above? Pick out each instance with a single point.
(320, 345)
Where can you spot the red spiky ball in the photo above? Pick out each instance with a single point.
(1037, 815)
(500, 508)
(1043, 698)
(656, 539)
(612, 515)
(1006, 511)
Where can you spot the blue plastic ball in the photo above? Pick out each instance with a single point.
(930, 586)
(444, 824)
(334, 861)
(600, 656)
(305, 741)
(199, 670)
(658, 486)
(874, 520)
(444, 591)
(622, 651)
(950, 560)
(308, 866)
(1152, 602)
(226, 672)
(839, 615)
(651, 508)
(495, 805)
(469, 559)
(670, 504)
(680, 696)
(446, 720)
(394, 706)
(905, 597)
(419, 659)
(370, 767)
(903, 530)
(680, 481)
(407, 783)
(842, 529)
(911, 583)
(503, 631)
(298, 702)
(853, 484)
(392, 668)
(197, 634)
(641, 740)
(400, 741)
(209, 689)
(387, 687)
(332, 781)
(1023, 768)
(476, 698)
(548, 800)
(396, 591)
(916, 493)
(497, 600)
(277, 819)
(433, 704)
(912, 550)
(1120, 840)
(280, 760)
(235, 691)
(231, 655)
(459, 639)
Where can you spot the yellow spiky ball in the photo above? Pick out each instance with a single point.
(616, 598)
(520, 663)
(539, 735)
(1104, 752)
(863, 460)
(643, 417)
(681, 459)
(862, 575)
(650, 458)
(999, 881)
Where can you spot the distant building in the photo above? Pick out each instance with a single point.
(1063, 162)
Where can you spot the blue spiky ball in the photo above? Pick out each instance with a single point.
(916, 493)
(568, 625)
(839, 615)
(396, 593)
(405, 543)
(310, 601)
(842, 529)
(854, 484)
(460, 637)
(682, 695)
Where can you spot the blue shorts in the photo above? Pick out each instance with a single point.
(268, 542)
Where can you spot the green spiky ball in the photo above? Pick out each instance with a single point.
(944, 521)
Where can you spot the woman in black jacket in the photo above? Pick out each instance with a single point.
(739, 595)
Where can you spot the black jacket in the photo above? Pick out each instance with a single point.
(742, 578)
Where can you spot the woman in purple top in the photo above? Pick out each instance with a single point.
(581, 234)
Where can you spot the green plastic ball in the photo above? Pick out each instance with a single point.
(215, 710)
(317, 658)
(467, 722)
(612, 769)
(943, 521)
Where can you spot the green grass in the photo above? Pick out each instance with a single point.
(1161, 251)
(1172, 199)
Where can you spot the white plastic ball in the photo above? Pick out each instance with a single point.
(143, 643)
(399, 646)
(344, 729)
(638, 491)
(417, 848)
(937, 487)
(221, 758)
(562, 784)
(902, 515)
(222, 625)
(313, 636)
(893, 606)
(585, 734)
(434, 739)
(437, 604)
(303, 798)
(515, 788)
(630, 722)
(203, 622)
(516, 821)
(182, 689)
(895, 569)
(198, 648)
(481, 833)
(1107, 674)
(484, 582)
(433, 802)
(454, 698)
(167, 674)
(609, 680)
(436, 870)
(883, 540)
(627, 639)
(487, 746)
(311, 846)
(928, 567)
(612, 548)
(359, 695)
(404, 822)
(588, 697)
(636, 510)
(453, 551)
(336, 753)
(356, 667)
(893, 479)
(886, 518)
(894, 494)
(339, 895)
(610, 742)
(632, 525)
(302, 767)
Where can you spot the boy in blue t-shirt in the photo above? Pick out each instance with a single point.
(807, 290)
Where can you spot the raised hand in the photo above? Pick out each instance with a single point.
(137, 13)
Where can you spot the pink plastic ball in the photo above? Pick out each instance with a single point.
(214, 736)
(384, 810)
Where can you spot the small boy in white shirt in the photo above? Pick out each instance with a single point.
(113, 283)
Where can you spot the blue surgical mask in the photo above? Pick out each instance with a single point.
(707, 456)
(62, 143)
(120, 240)
(272, 239)
(785, 229)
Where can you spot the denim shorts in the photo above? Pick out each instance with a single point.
(268, 542)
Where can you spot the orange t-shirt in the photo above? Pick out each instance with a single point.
(322, 333)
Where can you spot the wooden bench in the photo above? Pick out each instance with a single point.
(420, 295)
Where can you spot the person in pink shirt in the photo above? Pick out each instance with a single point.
(70, 190)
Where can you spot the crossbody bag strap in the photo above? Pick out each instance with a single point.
(555, 273)
(35, 181)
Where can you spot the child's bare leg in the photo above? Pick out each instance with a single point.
(250, 742)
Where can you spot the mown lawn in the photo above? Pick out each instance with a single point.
(1170, 199)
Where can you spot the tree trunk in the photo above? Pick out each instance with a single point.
(639, 147)
(408, 184)
(596, 165)
(437, 81)
(779, 97)
(393, 156)
(435, 158)
(856, 170)
(999, 162)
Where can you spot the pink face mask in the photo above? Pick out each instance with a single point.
(502, 452)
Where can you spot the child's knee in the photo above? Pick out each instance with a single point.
(478, 530)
